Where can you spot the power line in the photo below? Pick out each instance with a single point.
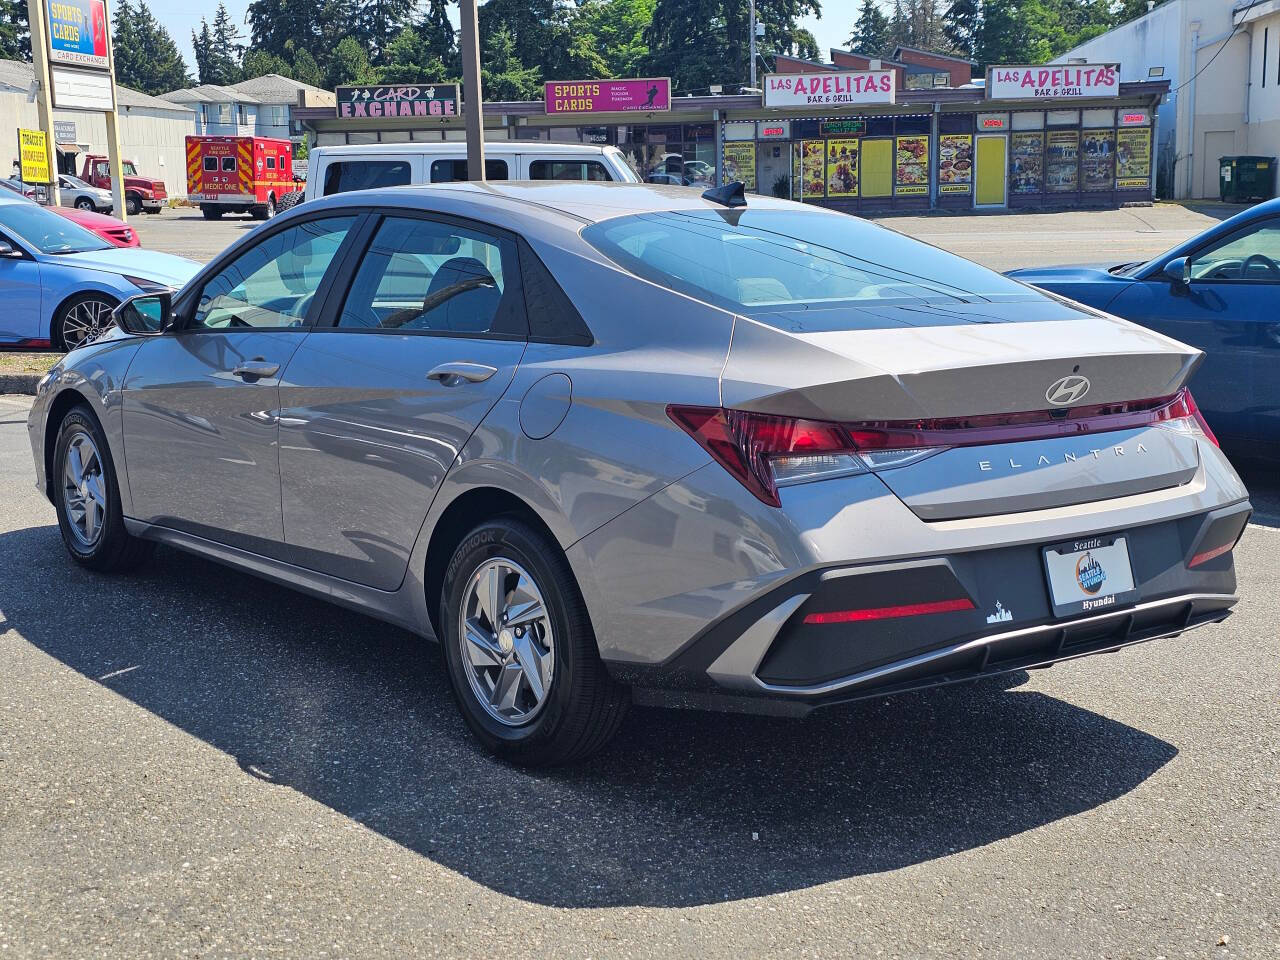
(1231, 36)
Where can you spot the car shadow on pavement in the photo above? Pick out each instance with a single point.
(683, 809)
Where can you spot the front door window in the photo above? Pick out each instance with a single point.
(1251, 255)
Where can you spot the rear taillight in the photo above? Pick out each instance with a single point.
(764, 451)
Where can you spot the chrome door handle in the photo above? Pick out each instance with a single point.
(453, 374)
(256, 369)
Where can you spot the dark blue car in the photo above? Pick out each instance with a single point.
(1219, 291)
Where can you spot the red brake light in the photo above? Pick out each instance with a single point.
(744, 442)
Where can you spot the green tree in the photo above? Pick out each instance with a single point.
(502, 75)
(350, 64)
(871, 31)
(305, 68)
(378, 22)
(258, 63)
(146, 58)
(410, 59)
(218, 49)
(618, 30)
(15, 37)
(961, 24)
(438, 34)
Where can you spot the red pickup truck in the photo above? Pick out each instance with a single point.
(140, 193)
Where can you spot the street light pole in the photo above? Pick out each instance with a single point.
(473, 102)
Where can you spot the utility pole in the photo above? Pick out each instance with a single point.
(39, 24)
(115, 163)
(474, 101)
(753, 42)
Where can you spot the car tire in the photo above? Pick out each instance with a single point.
(82, 319)
(495, 669)
(211, 213)
(84, 203)
(87, 500)
(132, 204)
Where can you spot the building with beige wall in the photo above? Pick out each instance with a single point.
(1216, 55)
(152, 131)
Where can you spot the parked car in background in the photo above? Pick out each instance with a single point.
(74, 192)
(61, 283)
(1218, 291)
(333, 170)
(619, 441)
(115, 232)
(140, 193)
(17, 186)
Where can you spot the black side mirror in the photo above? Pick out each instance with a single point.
(1178, 270)
(146, 314)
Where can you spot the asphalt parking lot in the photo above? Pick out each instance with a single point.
(196, 763)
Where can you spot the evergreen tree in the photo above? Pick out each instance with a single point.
(350, 64)
(502, 75)
(305, 68)
(258, 63)
(378, 22)
(871, 31)
(15, 37)
(961, 24)
(218, 50)
(157, 66)
(437, 33)
(618, 28)
(410, 59)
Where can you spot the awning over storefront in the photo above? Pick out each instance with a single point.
(72, 148)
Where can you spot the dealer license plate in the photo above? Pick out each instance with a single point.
(1092, 573)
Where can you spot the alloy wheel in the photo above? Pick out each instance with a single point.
(84, 203)
(85, 322)
(84, 489)
(508, 650)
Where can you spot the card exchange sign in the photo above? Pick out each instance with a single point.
(78, 33)
(832, 88)
(1053, 80)
(33, 156)
(399, 100)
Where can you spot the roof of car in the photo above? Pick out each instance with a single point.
(459, 147)
(588, 201)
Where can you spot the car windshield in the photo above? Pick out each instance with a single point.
(763, 261)
(75, 182)
(46, 231)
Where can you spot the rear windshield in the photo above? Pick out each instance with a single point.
(765, 262)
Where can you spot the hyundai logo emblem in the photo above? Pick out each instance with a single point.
(1068, 390)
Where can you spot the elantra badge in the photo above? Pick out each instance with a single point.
(1068, 390)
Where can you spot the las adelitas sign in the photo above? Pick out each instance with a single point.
(1053, 80)
(828, 89)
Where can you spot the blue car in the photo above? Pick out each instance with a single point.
(60, 283)
(1219, 291)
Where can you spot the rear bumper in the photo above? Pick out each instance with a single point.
(939, 619)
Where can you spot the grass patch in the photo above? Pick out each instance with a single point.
(27, 362)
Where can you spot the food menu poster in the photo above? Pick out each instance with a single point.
(813, 164)
(740, 164)
(843, 167)
(1133, 159)
(1026, 163)
(955, 163)
(912, 175)
(1062, 160)
(1097, 159)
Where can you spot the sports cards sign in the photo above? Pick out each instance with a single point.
(78, 33)
(832, 88)
(1053, 80)
(398, 100)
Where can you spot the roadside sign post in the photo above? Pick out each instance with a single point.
(33, 157)
(474, 116)
(44, 86)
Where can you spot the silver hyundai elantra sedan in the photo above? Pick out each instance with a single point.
(612, 443)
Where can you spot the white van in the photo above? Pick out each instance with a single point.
(339, 169)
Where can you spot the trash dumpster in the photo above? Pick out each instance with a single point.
(1241, 179)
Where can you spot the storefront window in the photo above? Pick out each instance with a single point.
(814, 164)
(1026, 163)
(740, 164)
(1133, 159)
(1097, 159)
(955, 163)
(1062, 161)
(912, 173)
(843, 167)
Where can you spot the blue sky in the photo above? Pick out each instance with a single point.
(180, 17)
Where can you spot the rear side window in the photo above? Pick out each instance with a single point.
(344, 175)
(568, 170)
(228, 164)
(271, 163)
(455, 171)
(211, 164)
(436, 277)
